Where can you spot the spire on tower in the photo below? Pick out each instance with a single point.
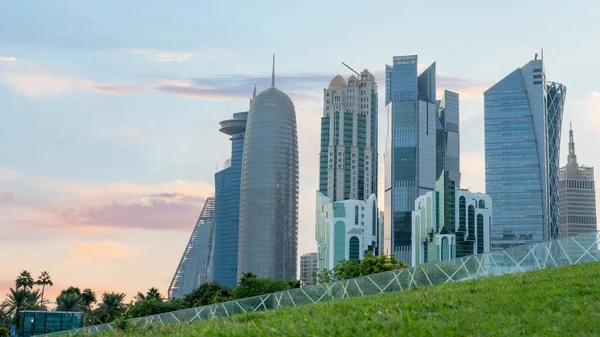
(273, 73)
(572, 158)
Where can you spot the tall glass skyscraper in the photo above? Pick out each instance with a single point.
(348, 158)
(268, 231)
(227, 203)
(196, 264)
(448, 138)
(410, 154)
(577, 196)
(523, 116)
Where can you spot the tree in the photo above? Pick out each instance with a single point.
(294, 284)
(110, 307)
(88, 297)
(44, 280)
(370, 264)
(19, 300)
(24, 280)
(250, 285)
(325, 276)
(152, 293)
(69, 301)
(4, 332)
(208, 293)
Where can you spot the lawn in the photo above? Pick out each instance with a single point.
(552, 302)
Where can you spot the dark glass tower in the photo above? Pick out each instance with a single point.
(268, 231)
(227, 203)
(410, 153)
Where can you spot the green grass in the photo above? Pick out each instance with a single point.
(552, 302)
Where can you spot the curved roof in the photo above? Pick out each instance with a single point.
(337, 82)
(273, 93)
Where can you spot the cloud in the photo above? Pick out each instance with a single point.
(95, 208)
(8, 174)
(238, 86)
(31, 81)
(12, 200)
(85, 252)
(160, 56)
(8, 59)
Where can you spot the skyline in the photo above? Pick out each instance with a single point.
(110, 137)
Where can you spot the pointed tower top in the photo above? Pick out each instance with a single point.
(254, 92)
(273, 73)
(572, 158)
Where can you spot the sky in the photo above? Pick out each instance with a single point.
(109, 110)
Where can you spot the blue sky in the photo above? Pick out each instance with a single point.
(106, 106)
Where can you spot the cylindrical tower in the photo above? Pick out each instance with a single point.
(268, 228)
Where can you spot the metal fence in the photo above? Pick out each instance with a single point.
(562, 252)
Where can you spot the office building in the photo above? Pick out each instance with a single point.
(448, 137)
(577, 195)
(268, 229)
(227, 202)
(348, 158)
(415, 120)
(523, 116)
(450, 223)
(345, 230)
(196, 264)
(308, 269)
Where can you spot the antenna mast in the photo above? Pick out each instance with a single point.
(354, 71)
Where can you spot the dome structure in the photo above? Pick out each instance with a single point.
(337, 82)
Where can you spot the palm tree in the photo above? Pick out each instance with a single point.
(44, 280)
(153, 293)
(24, 280)
(88, 297)
(19, 300)
(69, 301)
(110, 307)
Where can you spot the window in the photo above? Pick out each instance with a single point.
(482, 204)
(356, 215)
(354, 248)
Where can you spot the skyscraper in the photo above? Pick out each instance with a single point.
(227, 203)
(448, 138)
(348, 158)
(196, 264)
(523, 116)
(577, 196)
(346, 214)
(268, 230)
(410, 149)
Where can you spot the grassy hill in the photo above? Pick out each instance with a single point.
(552, 302)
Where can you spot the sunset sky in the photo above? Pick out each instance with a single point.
(109, 110)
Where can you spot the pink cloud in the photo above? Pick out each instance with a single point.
(8, 59)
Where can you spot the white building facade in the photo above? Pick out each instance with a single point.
(450, 223)
(345, 230)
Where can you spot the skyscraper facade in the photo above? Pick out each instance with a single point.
(577, 196)
(523, 116)
(196, 264)
(410, 150)
(227, 202)
(309, 268)
(448, 137)
(268, 230)
(348, 158)
(450, 223)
